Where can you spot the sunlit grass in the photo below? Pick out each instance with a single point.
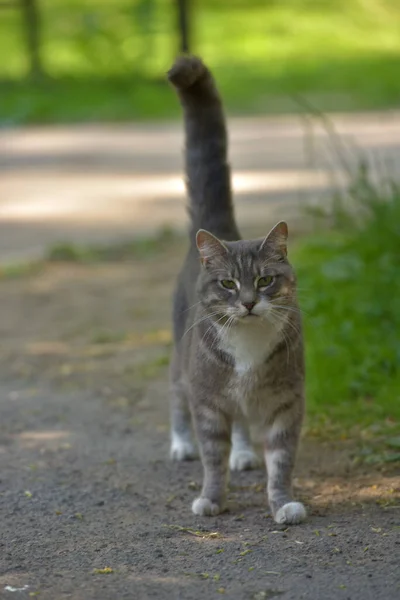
(107, 61)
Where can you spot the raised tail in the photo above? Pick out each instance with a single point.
(208, 177)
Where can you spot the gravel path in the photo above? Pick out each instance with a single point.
(96, 183)
(86, 484)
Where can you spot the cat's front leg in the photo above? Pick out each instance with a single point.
(213, 430)
(281, 442)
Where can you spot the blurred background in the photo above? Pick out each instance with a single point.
(92, 196)
(81, 60)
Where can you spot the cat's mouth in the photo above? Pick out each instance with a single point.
(249, 317)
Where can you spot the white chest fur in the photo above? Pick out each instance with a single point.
(249, 344)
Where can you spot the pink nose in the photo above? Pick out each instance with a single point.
(249, 305)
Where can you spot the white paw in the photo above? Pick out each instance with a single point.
(243, 460)
(205, 508)
(291, 513)
(182, 450)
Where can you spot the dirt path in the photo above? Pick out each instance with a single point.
(86, 483)
(97, 183)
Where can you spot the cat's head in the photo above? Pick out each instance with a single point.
(246, 280)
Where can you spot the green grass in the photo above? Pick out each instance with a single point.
(139, 248)
(106, 60)
(20, 270)
(350, 292)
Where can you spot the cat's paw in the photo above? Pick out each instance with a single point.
(243, 460)
(291, 513)
(182, 450)
(205, 508)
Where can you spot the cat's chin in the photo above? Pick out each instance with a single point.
(249, 319)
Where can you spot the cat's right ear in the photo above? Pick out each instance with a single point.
(277, 238)
(209, 246)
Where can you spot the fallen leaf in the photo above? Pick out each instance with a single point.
(192, 485)
(201, 534)
(104, 571)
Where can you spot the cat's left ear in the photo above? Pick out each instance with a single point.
(277, 238)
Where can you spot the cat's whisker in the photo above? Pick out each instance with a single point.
(294, 327)
(190, 307)
(278, 320)
(225, 326)
(271, 317)
(212, 325)
(289, 307)
(286, 322)
(203, 318)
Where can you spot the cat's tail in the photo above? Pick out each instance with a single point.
(207, 171)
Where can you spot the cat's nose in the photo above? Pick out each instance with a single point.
(249, 305)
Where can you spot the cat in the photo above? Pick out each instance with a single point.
(238, 345)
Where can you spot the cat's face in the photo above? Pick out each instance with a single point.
(246, 281)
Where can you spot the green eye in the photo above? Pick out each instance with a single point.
(228, 284)
(265, 281)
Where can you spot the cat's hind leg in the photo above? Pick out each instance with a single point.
(182, 442)
(242, 456)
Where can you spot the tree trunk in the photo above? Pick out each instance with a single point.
(183, 25)
(32, 36)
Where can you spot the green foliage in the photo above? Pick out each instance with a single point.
(106, 60)
(132, 249)
(350, 292)
(20, 270)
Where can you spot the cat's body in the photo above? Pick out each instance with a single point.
(238, 345)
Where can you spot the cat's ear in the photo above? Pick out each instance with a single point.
(209, 246)
(277, 238)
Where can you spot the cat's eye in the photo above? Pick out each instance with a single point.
(229, 284)
(265, 281)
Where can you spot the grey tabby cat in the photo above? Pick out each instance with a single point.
(238, 344)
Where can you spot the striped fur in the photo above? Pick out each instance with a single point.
(238, 355)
